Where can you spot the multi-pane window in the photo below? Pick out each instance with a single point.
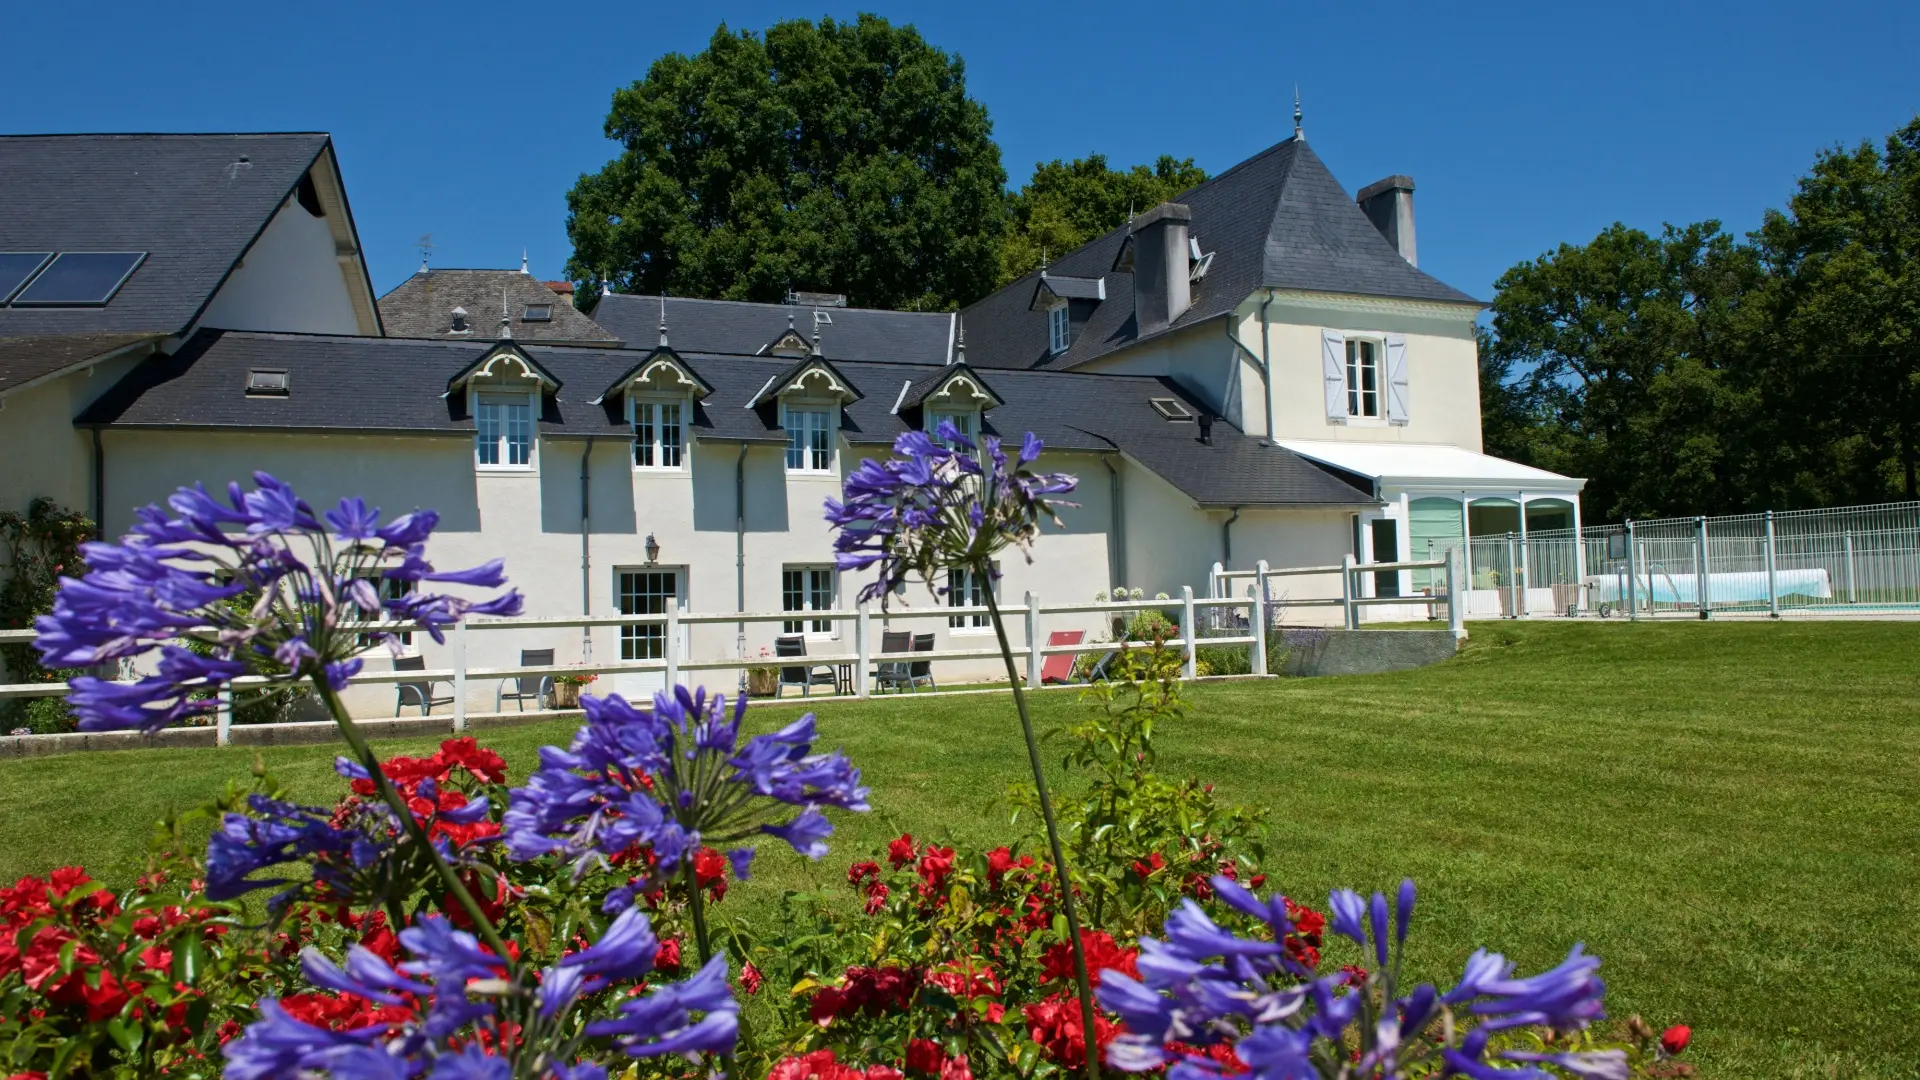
(504, 426)
(389, 588)
(644, 592)
(1058, 335)
(659, 437)
(968, 424)
(1363, 378)
(967, 589)
(807, 588)
(809, 439)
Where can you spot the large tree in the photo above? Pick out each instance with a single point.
(1068, 203)
(832, 156)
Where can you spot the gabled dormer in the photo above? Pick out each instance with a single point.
(659, 395)
(957, 393)
(1068, 302)
(791, 344)
(505, 392)
(808, 401)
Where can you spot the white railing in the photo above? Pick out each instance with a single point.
(1352, 596)
(1023, 623)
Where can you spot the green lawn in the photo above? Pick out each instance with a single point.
(1725, 813)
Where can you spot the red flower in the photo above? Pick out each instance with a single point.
(66, 879)
(345, 1012)
(827, 1002)
(103, 999)
(1354, 974)
(710, 872)
(1200, 887)
(1103, 954)
(493, 907)
(1144, 869)
(667, 956)
(935, 864)
(956, 1069)
(859, 872)
(1256, 881)
(900, 851)
(485, 765)
(1055, 1025)
(876, 897)
(1000, 860)
(971, 983)
(995, 1011)
(925, 1056)
(820, 1065)
(1675, 1039)
(750, 978)
(155, 958)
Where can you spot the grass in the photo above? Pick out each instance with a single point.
(1724, 813)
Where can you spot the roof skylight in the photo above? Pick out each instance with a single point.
(1170, 409)
(537, 313)
(16, 267)
(80, 279)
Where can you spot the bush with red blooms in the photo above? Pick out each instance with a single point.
(91, 980)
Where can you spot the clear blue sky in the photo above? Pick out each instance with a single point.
(1523, 126)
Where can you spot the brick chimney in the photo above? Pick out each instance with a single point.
(1162, 291)
(1389, 205)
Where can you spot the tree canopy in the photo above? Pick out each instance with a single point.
(1068, 203)
(835, 156)
(1692, 372)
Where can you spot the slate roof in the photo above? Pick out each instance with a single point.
(742, 328)
(180, 198)
(1278, 219)
(24, 359)
(202, 386)
(422, 307)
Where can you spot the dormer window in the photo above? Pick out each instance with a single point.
(659, 434)
(1059, 330)
(809, 437)
(967, 423)
(537, 313)
(504, 430)
(460, 322)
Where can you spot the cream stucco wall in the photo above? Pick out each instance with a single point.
(1201, 358)
(290, 280)
(42, 452)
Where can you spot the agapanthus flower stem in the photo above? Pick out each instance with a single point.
(1053, 833)
(698, 905)
(483, 926)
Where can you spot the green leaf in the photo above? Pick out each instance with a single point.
(189, 958)
(128, 1033)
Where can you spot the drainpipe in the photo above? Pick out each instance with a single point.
(1118, 531)
(1266, 367)
(99, 486)
(740, 556)
(586, 553)
(1226, 539)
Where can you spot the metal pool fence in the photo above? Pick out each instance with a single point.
(1847, 560)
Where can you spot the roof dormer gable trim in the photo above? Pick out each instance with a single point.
(661, 371)
(959, 386)
(1051, 291)
(504, 361)
(813, 377)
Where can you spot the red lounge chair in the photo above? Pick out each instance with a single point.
(1058, 667)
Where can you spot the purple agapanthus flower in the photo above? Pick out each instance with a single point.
(936, 506)
(672, 778)
(263, 582)
(1202, 985)
(463, 1002)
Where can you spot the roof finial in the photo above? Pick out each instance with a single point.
(1043, 253)
(1297, 133)
(523, 263)
(959, 340)
(816, 334)
(425, 244)
(506, 322)
(663, 318)
(606, 286)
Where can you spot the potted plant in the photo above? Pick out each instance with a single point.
(566, 689)
(763, 679)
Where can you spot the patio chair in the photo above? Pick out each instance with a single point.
(1058, 667)
(416, 693)
(921, 670)
(892, 674)
(806, 676)
(535, 688)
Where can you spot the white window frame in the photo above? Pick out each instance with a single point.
(1354, 369)
(967, 420)
(964, 591)
(830, 434)
(649, 413)
(647, 641)
(484, 398)
(1059, 329)
(810, 598)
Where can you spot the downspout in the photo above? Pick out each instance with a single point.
(1226, 539)
(1118, 531)
(99, 486)
(1266, 367)
(740, 556)
(586, 553)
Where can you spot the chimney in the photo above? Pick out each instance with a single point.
(1389, 205)
(1162, 291)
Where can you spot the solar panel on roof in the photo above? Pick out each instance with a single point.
(16, 267)
(80, 278)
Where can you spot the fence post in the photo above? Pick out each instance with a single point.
(1702, 588)
(1633, 573)
(1514, 592)
(1034, 658)
(223, 719)
(672, 650)
(1773, 588)
(1456, 600)
(1214, 591)
(862, 648)
(1187, 631)
(1257, 616)
(1351, 614)
(460, 676)
(1848, 538)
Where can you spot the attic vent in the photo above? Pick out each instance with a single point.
(1170, 409)
(460, 322)
(268, 382)
(537, 313)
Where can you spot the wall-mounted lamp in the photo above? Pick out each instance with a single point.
(653, 550)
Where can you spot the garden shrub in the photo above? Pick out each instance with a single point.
(40, 547)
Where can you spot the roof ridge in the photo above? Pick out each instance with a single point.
(1239, 165)
(157, 134)
(772, 304)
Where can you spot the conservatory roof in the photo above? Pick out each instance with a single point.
(1428, 464)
